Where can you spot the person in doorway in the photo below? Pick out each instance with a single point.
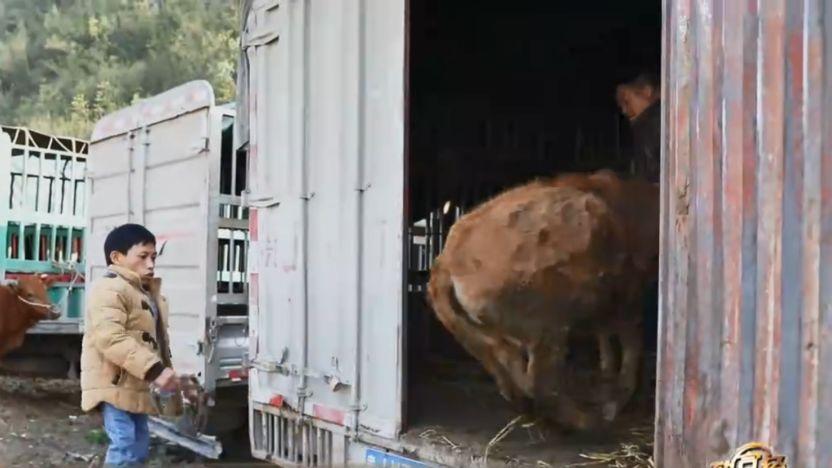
(640, 101)
(125, 350)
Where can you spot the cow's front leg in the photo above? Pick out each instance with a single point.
(12, 343)
(606, 353)
(512, 363)
(630, 334)
(548, 373)
(547, 364)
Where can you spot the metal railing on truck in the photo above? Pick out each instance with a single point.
(42, 216)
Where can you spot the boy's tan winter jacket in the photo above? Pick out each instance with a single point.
(122, 342)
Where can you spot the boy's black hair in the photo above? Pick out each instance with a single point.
(124, 237)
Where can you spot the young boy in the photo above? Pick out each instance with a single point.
(125, 347)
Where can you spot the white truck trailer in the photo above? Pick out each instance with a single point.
(325, 144)
(168, 163)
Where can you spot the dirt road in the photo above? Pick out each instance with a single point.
(41, 424)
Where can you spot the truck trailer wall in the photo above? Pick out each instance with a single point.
(746, 324)
(157, 163)
(326, 96)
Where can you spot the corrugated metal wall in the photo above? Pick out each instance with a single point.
(746, 344)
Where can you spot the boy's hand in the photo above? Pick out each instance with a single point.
(167, 380)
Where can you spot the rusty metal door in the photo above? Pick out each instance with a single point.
(745, 350)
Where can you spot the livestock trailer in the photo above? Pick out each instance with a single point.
(347, 364)
(42, 209)
(358, 122)
(167, 162)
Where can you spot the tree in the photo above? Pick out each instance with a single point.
(65, 63)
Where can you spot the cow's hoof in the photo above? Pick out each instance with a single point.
(585, 422)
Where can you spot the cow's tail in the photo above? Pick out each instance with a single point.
(442, 299)
(478, 339)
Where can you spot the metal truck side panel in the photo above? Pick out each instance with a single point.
(157, 163)
(326, 150)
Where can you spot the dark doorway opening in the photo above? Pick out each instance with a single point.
(500, 93)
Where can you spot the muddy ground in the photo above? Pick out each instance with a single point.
(41, 424)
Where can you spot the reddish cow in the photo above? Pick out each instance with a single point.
(22, 305)
(539, 263)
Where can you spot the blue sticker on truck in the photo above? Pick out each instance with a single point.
(379, 458)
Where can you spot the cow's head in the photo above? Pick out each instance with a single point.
(32, 291)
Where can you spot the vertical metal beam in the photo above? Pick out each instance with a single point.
(73, 206)
(142, 174)
(232, 264)
(21, 248)
(131, 137)
(38, 208)
(233, 156)
(57, 209)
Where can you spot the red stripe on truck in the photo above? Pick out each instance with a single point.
(253, 232)
(328, 414)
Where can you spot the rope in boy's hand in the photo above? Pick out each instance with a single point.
(186, 399)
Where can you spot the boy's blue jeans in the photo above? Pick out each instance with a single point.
(129, 437)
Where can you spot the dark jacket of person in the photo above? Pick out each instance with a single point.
(647, 142)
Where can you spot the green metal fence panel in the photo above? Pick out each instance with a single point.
(42, 212)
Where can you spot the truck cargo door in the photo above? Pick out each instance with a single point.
(149, 165)
(326, 150)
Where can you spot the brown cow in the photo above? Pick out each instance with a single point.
(541, 261)
(22, 305)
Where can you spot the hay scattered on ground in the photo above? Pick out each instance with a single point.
(433, 436)
(502, 434)
(637, 453)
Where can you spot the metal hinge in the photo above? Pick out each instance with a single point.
(212, 335)
(258, 38)
(247, 200)
(269, 366)
(199, 146)
(334, 382)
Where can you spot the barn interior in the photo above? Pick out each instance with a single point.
(500, 93)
